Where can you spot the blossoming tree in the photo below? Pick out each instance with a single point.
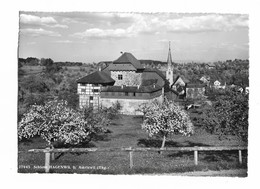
(56, 122)
(166, 118)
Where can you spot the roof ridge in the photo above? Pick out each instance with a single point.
(127, 57)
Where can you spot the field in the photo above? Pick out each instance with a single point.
(126, 132)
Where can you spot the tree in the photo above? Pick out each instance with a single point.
(56, 123)
(50, 66)
(166, 118)
(34, 83)
(228, 115)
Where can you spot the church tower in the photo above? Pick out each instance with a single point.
(169, 72)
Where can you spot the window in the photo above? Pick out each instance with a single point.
(133, 94)
(83, 84)
(120, 77)
(83, 90)
(126, 93)
(91, 98)
(113, 94)
(95, 85)
(95, 90)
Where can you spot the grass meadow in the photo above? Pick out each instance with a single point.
(126, 132)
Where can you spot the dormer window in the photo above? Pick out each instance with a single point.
(120, 77)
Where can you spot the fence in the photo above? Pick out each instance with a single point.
(50, 152)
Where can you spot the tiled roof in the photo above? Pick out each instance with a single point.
(141, 89)
(129, 58)
(98, 77)
(120, 67)
(195, 85)
(183, 79)
(155, 70)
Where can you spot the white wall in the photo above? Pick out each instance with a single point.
(129, 106)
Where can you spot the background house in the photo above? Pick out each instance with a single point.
(219, 84)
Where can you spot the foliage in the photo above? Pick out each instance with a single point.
(228, 115)
(103, 116)
(165, 118)
(50, 66)
(56, 122)
(34, 84)
(30, 61)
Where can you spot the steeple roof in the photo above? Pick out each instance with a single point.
(169, 59)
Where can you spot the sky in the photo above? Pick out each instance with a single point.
(93, 37)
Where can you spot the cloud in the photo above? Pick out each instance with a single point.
(107, 19)
(38, 32)
(27, 19)
(58, 26)
(63, 41)
(69, 42)
(103, 33)
(202, 23)
(164, 23)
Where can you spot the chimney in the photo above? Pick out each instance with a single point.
(99, 68)
(138, 86)
(122, 86)
(154, 85)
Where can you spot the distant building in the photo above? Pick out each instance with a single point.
(181, 87)
(195, 90)
(125, 81)
(208, 66)
(218, 85)
(205, 80)
(180, 81)
(247, 90)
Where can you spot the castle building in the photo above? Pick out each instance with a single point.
(89, 88)
(125, 81)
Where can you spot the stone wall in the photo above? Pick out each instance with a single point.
(129, 106)
(130, 78)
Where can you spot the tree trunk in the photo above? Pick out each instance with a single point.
(163, 143)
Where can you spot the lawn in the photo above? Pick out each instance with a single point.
(127, 132)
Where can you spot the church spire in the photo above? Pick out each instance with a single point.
(169, 72)
(169, 59)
